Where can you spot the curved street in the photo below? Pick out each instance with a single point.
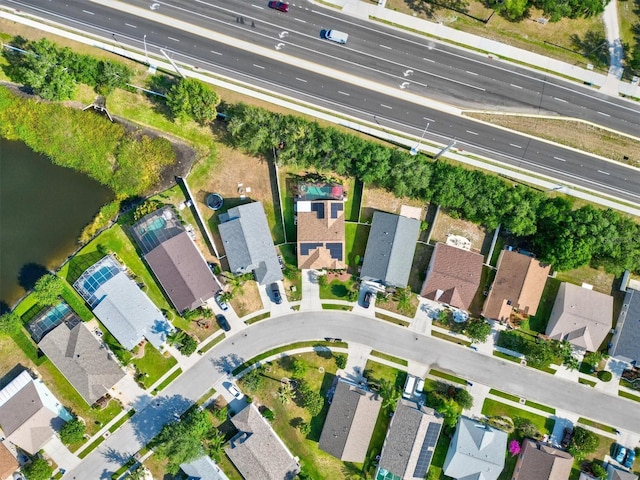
(378, 334)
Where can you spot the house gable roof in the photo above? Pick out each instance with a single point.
(581, 316)
(248, 244)
(350, 422)
(390, 249)
(203, 468)
(453, 276)
(519, 283)
(256, 451)
(542, 462)
(626, 341)
(477, 451)
(320, 233)
(8, 463)
(183, 272)
(82, 360)
(614, 473)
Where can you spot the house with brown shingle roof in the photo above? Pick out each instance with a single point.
(519, 283)
(537, 461)
(257, 451)
(453, 276)
(8, 463)
(350, 422)
(320, 234)
(581, 317)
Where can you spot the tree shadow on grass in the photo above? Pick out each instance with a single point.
(317, 422)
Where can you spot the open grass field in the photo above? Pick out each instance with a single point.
(578, 135)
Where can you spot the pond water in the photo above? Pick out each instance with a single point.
(43, 209)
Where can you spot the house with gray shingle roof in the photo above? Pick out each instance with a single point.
(29, 413)
(257, 451)
(203, 468)
(410, 442)
(350, 422)
(538, 461)
(175, 259)
(248, 244)
(580, 316)
(476, 452)
(82, 359)
(614, 473)
(626, 341)
(390, 249)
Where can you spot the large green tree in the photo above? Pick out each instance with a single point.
(10, 322)
(477, 330)
(48, 289)
(583, 443)
(73, 431)
(192, 99)
(37, 469)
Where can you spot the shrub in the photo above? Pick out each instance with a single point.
(268, 414)
(605, 375)
(37, 469)
(341, 360)
(305, 428)
(73, 431)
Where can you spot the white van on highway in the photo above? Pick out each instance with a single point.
(336, 36)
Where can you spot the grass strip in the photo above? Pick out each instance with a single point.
(449, 338)
(624, 394)
(124, 418)
(391, 358)
(333, 306)
(508, 396)
(505, 356)
(286, 348)
(118, 473)
(257, 318)
(584, 381)
(539, 406)
(600, 426)
(390, 319)
(211, 344)
(91, 447)
(447, 376)
(206, 396)
(167, 381)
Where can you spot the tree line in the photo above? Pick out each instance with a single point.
(516, 10)
(563, 236)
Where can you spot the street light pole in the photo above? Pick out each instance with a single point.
(144, 40)
(414, 150)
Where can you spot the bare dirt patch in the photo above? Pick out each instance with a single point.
(573, 134)
(248, 300)
(446, 225)
(379, 199)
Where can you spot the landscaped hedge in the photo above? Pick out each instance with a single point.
(128, 163)
(562, 236)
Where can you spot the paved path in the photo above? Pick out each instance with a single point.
(616, 52)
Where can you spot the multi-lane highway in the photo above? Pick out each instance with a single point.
(255, 24)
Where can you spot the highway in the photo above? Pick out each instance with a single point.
(382, 336)
(384, 106)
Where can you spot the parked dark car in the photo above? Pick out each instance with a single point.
(366, 300)
(566, 437)
(630, 458)
(275, 293)
(223, 322)
(619, 453)
(280, 6)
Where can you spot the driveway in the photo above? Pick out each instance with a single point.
(383, 336)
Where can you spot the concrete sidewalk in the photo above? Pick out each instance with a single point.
(496, 51)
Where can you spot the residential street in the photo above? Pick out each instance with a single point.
(506, 376)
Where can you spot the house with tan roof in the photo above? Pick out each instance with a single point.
(350, 422)
(8, 463)
(257, 451)
(581, 317)
(538, 461)
(29, 413)
(518, 285)
(320, 234)
(453, 276)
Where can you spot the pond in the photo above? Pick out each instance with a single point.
(43, 209)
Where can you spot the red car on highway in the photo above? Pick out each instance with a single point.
(280, 6)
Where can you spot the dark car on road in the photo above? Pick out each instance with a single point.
(366, 300)
(280, 6)
(223, 322)
(275, 293)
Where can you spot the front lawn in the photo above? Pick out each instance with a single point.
(493, 408)
(335, 290)
(153, 365)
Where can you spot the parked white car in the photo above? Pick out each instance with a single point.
(233, 390)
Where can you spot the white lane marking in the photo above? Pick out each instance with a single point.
(174, 39)
(258, 66)
(515, 86)
(386, 106)
(429, 60)
(87, 11)
(560, 99)
(561, 159)
(129, 25)
(514, 145)
(605, 114)
(300, 20)
(428, 119)
(257, 6)
(344, 93)
(472, 133)
(603, 172)
(384, 46)
(471, 73)
(215, 53)
(299, 79)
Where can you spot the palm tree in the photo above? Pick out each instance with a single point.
(216, 444)
(390, 395)
(286, 393)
